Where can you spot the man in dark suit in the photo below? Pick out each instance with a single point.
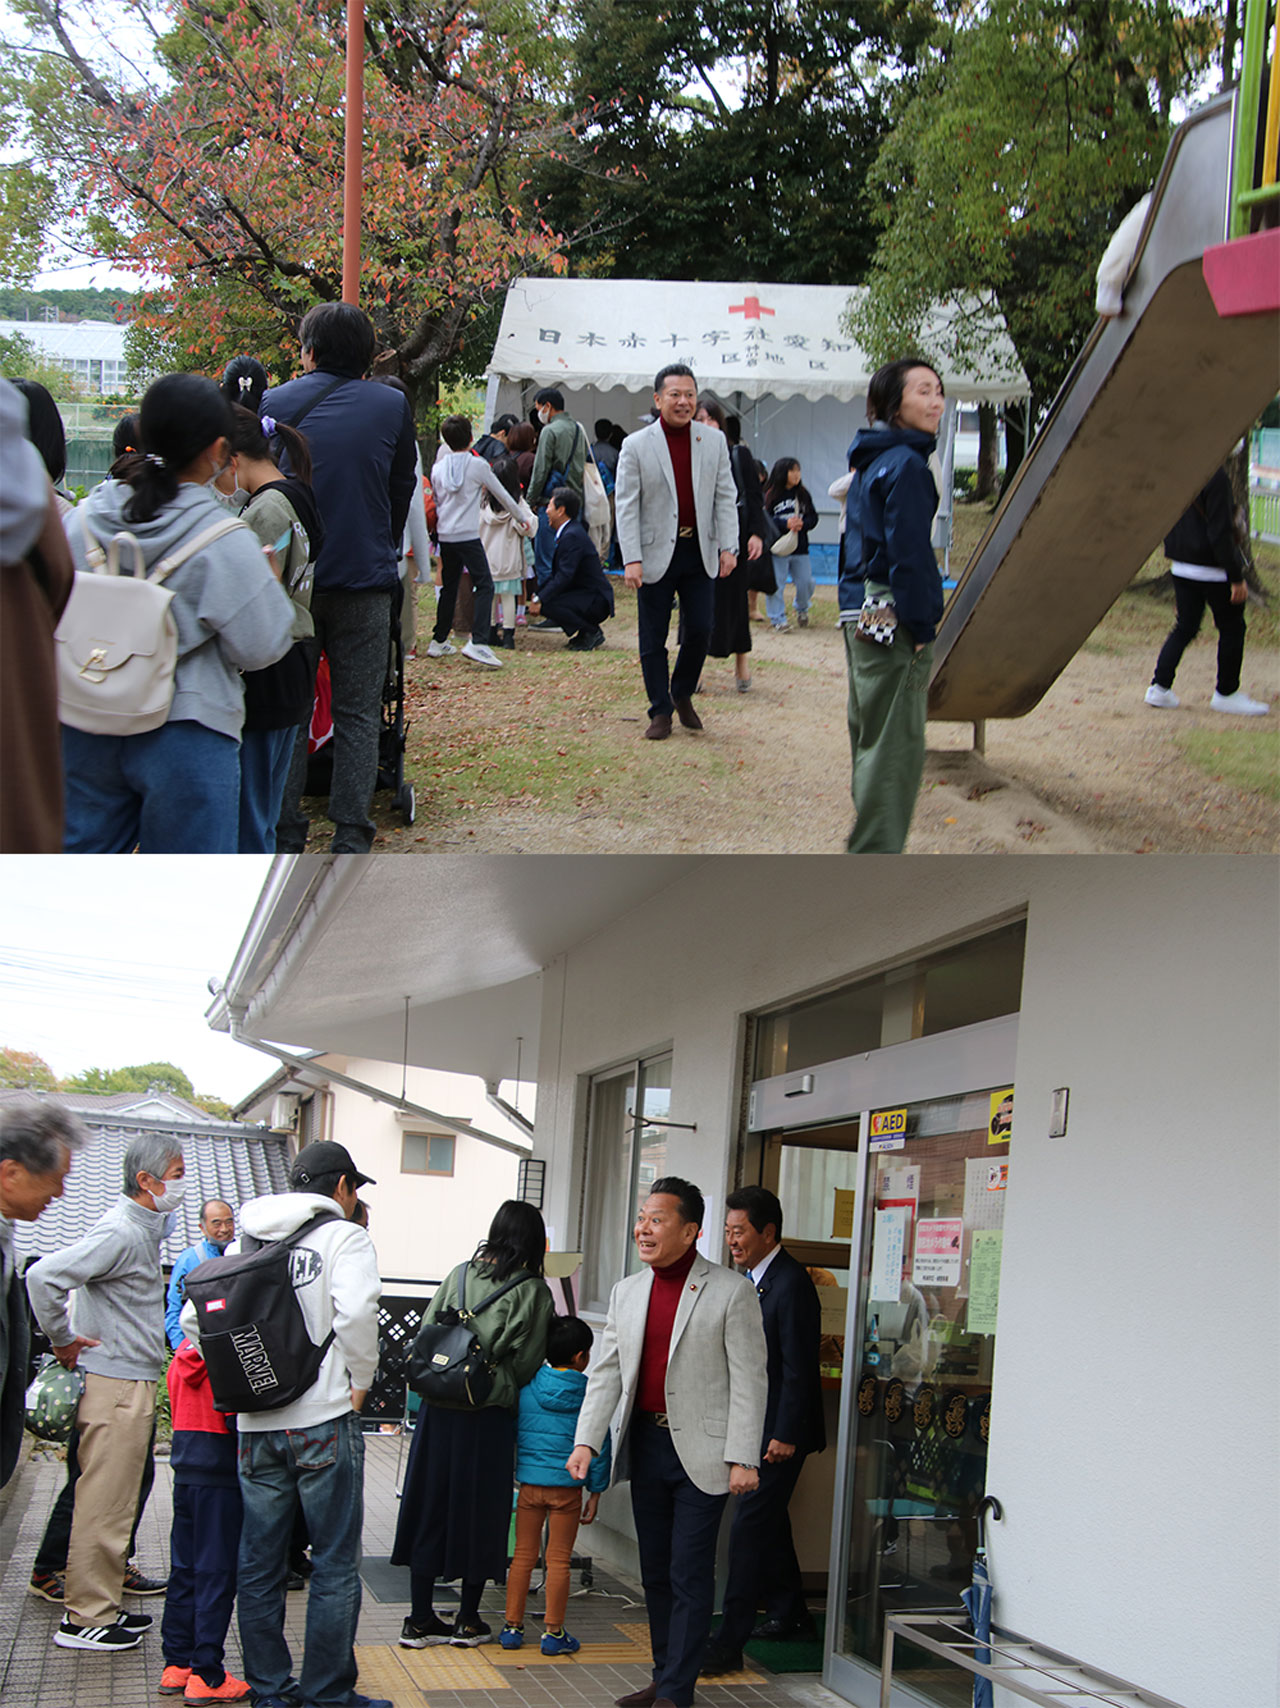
(762, 1556)
(578, 596)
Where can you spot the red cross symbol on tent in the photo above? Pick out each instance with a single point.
(751, 308)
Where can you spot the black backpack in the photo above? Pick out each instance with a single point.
(448, 1364)
(253, 1338)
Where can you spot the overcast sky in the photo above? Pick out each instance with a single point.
(105, 962)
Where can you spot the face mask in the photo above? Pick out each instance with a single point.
(544, 415)
(174, 1191)
(236, 499)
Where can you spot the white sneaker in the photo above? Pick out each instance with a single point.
(1158, 696)
(1240, 704)
(481, 655)
(439, 649)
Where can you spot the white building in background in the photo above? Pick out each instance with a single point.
(92, 351)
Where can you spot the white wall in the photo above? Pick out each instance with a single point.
(1136, 1400)
(422, 1225)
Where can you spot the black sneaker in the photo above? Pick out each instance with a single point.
(426, 1635)
(138, 1583)
(470, 1636)
(49, 1585)
(135, 1621)
(107, 1639)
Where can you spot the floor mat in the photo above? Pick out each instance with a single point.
(802, 1655)
(386, 1582)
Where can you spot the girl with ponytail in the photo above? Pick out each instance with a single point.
(175, 790)
(281, 510)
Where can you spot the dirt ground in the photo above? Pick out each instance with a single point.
(545, 756)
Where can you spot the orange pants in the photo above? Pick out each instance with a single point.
(561, 1509)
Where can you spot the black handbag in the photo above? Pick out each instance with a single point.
(448, 1365)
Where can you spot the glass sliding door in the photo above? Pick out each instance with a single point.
(627, 1141)
(918, 1379)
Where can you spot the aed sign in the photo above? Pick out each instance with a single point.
(888, 1129)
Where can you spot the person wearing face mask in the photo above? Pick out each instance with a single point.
(217, 1230)
(560, 461)
(114, 1333)
(176, 789)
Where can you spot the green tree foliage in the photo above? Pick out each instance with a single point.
(738, 138)
(23, 1070)
(86, 302)
(1034, 127)
(140, 1078)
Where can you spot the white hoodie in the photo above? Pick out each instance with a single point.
(457, 480)
(335, 1276)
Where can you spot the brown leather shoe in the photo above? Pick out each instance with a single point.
(659, 729)
(688, 717)
(646, 1698)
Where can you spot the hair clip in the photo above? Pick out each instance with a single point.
(153, 458)
(246, 384)
(268, 425)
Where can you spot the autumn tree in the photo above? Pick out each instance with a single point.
(23, 1070)
(214, 162)
(1034, 128)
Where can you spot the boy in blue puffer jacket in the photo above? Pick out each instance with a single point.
(549, 1408)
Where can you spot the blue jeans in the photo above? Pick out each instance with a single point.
(172, 790)
(798, 569)
(265, 755)
(320, 1469)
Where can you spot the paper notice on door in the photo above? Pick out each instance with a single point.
(939, 1243)
(842, 1214)
(887, 1252)
(983, 1197)
(1000, 1126)
(984, 1280)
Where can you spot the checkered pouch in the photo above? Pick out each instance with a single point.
(877, 620)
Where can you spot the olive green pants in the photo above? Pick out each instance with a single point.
(888, 696)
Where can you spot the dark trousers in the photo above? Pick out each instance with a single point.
(676, 1530)
(455, 556)
(688, 581)
(52, 1553)
(1189, 601)
(762, 1557)
(354, 630)
(203, 1548)
(577, 609)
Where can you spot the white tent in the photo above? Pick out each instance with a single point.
(775, 354)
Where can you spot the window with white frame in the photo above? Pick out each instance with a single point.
(426, 1153)
(627, 1137)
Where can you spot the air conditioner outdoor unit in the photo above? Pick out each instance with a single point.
(285, 1109)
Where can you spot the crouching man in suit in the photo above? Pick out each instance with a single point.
(578, 596)
(682, 1362)
(762, 1555)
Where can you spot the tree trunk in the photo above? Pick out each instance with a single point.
(988, 451)
(1016, 423)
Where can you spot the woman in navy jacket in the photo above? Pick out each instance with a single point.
(888, 683)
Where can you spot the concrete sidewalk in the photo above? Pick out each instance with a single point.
(608, 1618)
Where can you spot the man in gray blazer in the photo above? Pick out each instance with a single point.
(683, 1364)
(677, 515)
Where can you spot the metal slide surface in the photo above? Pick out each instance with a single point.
(1154, 403)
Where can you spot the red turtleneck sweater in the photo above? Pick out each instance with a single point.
(651, 1390)
(680, 444)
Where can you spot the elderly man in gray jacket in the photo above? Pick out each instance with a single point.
(114, 1332)
(677, 510)
(684, 1365)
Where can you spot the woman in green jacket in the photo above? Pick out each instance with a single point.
(455, 1516)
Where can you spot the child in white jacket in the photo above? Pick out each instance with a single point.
(458, 479)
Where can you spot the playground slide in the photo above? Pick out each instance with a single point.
(1155, 402)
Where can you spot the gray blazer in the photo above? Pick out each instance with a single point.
(645, 499)
(717, 1374)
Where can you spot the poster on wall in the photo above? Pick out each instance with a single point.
(984, 1280)
(939, 1247)
(1000, 1125)
(888, 1251)
(842, 1213)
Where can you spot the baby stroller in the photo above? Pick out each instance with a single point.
(392, 737)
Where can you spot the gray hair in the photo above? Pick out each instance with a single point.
(149, 1153)
(35, 1134)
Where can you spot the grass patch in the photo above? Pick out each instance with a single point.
(1247, 759)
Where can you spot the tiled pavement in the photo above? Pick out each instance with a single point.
(608, 1618)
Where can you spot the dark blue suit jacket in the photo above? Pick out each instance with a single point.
(575, 567)
(792, 1331)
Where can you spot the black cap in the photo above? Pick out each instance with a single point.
(313, 1162)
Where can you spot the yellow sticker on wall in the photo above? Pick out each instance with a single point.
(888, 1130)
(1000, 1127)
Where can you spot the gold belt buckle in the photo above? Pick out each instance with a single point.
(660, 1418)
(684, 534)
